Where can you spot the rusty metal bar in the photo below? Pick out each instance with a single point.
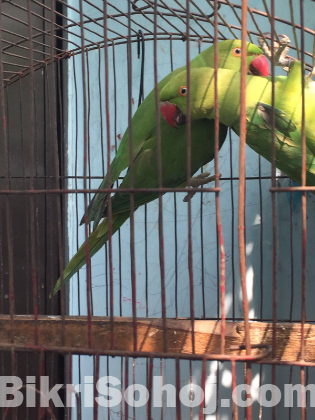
(188, 167)
(53, 130)
(221, 280)
(160, 181)
(203, 387)
(234, 406)
(9, 233)
(86, 145)
(178, 404)
(273, 199)
(150, 382)
(109, 190)
(76, 170)
(126, 385)
(32, 174)
(132, 204)
(304, 216)
(108, 178)
(241, 204)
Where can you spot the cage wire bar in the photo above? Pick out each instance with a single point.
(36, 52)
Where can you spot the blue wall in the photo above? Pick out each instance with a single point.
(259, 259)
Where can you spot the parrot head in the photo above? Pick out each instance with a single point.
(173, 101)
(173, 96)
(229, 57)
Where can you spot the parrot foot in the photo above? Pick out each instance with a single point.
(280, 50)
(197, 181)
(311, 74)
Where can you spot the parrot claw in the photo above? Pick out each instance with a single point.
(197, 181)
(280, 51)
(264, 46)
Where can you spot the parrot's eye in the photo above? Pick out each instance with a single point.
(182, 91)
(237, 52)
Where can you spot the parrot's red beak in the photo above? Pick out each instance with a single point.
(168, 111)
(259, 66)
(172, 114)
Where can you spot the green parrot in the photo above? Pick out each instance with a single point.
(290, 100)
(229, 57)
(174, 152)
(290, 97)
(288, 141)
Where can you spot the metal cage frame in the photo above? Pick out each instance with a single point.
(39, 50)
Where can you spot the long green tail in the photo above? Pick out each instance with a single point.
(95, 244)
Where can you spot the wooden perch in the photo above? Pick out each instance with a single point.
(150, 335)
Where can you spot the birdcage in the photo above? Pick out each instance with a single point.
(201, 304)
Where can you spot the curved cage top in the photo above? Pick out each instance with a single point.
(27, 27)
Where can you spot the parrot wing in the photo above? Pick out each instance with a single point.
(263, 117)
